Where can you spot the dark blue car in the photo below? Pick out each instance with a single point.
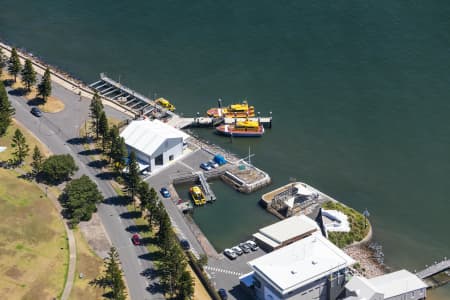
(223, 294)
(36, 111)
(165, 192)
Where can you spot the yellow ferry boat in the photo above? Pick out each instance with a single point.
(197, 195)
(245, 128)
(165, 103)
(239, 110)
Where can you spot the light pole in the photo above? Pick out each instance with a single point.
(366, 214)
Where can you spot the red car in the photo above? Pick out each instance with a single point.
(136, 239)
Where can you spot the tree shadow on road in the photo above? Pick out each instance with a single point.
(77, 141)
(8, 82)
(95, 151)
(117, 200)
(131, 215)
(155, 288)
(107, 175)
(98, 164)
(18, 92)
(150, 273)
(137, 228)
(152, 256)
(36, 101)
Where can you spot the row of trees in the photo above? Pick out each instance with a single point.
(27, 72)
(6, 110)
(176, 280)
(112, 144)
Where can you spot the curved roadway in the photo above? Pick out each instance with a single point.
(56, 131)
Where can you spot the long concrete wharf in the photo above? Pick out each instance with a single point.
(139, 104)
(434, 269)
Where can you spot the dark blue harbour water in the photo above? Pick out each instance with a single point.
(359, 91)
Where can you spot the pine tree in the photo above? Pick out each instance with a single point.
(96, 109)
(45, 86)
(133, 179)
(112, 277)
(118, 151)
(2, 62)
(143, 192)
(185, 286)
(14, 66)
(6, 110)
(103, 129)
(28, 75)
(38, 160)
(21, 149)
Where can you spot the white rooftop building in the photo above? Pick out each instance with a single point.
(393, 286)
(311, 268)
(154, 142)
(285, 232)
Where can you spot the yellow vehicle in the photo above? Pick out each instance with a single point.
(239, 110)
(165, 103)
(197, 195)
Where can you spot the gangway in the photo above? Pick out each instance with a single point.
(209, 194)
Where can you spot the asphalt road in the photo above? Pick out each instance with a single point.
(59, 132)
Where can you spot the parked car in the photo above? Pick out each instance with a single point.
(213, 164)
(165, 192)
(229, 253)
(136, 239)
(223, 294)
(185, 244)
(245, 247)
(252, 245)
(205, 166)
(36, 111)
(237, 250)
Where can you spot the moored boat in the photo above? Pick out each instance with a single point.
(239, 110)
(197, 195)
(245, 128)
(165, 103)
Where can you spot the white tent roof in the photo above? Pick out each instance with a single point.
(397, 283)
(147, 136)
(300, 263)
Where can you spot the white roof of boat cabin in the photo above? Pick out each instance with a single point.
(300, 263)
(147, 136)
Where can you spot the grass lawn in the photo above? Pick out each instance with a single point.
(358, 230)
(91, 266)
(31, 141)
(33, 242)
(53, 104)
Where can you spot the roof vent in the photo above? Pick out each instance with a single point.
(314, 262)
(293, 272)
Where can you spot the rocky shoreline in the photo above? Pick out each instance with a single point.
(368, 259)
